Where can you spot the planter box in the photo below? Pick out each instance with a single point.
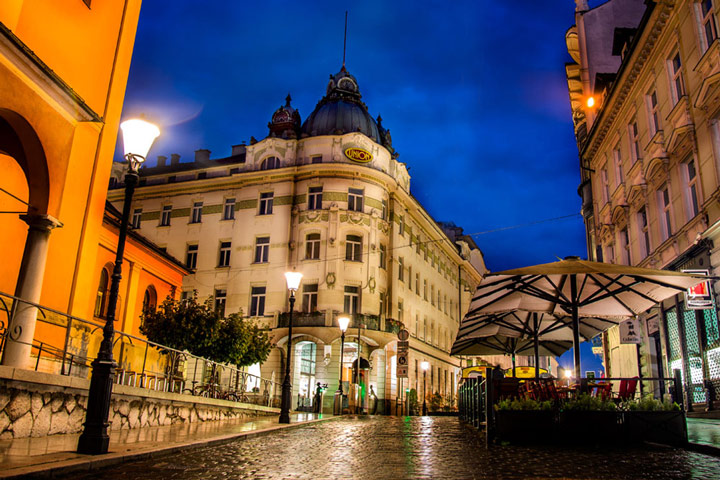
(659, 427)
(525, 426)
(580, 426)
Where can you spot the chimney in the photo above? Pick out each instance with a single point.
(174, 158)
(161, 160)
(202, 155)
(238, 149)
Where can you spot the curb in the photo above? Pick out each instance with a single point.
(704, 448)
(94, 462)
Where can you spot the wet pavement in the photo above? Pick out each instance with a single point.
(407, 448)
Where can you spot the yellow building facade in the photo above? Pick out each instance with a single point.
(645, 94)
(329, 199)
(63, 71)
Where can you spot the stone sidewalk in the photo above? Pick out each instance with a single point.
(55, 454)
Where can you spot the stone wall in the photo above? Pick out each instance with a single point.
(39, 404)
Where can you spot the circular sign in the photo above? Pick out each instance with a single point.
(402, 360)
(403, 335)
(358, 155)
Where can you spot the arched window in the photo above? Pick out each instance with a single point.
(103, 292)
(270, 163)
(149, 299)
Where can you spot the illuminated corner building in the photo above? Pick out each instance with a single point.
(63, 72)
(328, 198)
(650, 166)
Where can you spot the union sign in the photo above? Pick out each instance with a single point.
(358, 155)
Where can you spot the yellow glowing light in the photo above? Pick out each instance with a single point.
(591, 102)
(568, 373)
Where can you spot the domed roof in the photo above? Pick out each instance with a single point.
(285, 121)
(341, 111)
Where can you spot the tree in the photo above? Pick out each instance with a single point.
(187, 325)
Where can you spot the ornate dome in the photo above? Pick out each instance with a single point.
(285, 121)
(341, 111)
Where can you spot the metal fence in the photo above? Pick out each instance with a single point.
(65, 345)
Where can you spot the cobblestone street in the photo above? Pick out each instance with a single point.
(408, 448)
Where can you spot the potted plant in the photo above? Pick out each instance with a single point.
(524, 420)
(653, 420)
(588, 419)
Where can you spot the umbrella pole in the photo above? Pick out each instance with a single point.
(513, 363)
(537, 348)
(575, 324)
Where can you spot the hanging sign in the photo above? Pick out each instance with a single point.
(402, 358)
(597, 344)
(699, 297)
(653, 325)
(630, 332)
(358, 155)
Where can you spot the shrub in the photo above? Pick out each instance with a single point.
(523, 404)
(585, 402)
(650, 404)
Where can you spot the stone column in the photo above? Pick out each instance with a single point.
(29, 286)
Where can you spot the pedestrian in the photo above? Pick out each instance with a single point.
(373, 401)
(318, 398)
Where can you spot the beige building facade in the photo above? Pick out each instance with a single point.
(645, 95)
(327, 198)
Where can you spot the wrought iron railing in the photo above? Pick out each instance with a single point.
(314, 319)
(69, 344)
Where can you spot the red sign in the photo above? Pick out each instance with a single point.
(699, 297)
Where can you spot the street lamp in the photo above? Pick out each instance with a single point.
(424, 366)
(293, 283)
(138, 137)
(343, 322)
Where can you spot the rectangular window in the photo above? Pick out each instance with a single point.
(262, 249)
(677, 85)
(617, 162)
(384, 212)
(425, 291)
(316, 159)
(220, 298)
(624, 247)
(191, 256)
(353, 248)
(383, 257)
(644, 233)
(707, 22)
(229, 209)
(312, 246)
(410, 279)
(432, 295)
(401, 312)
(310, 298)
(401, 269)
(653, 113)
(401, 226)
(315, 198)
(634, 139)
(664, 203)
(691, 193)
(355, 199)
(196, 214)
(611, 253)
(352, 300)
(257, 301)
(224, 258)
(383, 299)
(266, 203)
(604, 186)
(165, 216)
(417, 284)
(136, 218)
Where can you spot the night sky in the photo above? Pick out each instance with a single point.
(473, 92)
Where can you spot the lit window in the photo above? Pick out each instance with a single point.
(310, 298)
(224, 257)
(312, 246)
(257, 301)
(355, 199)
(315, 198)
(353, 248)
(191, 256)
(196, 214)
(165, 216)
(262, 249)
(266, 203)
(220, 298)
(677, 86)
(229, 209)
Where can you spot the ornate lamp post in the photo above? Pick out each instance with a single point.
(138, 137)
(343, 322)
(293, 283)
(424, 366)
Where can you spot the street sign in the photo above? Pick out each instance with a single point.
(402, 371)
(402, 357)
(403, 334)
(403, 345)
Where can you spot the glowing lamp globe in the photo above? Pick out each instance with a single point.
(343, 322)
(138, 137)
(293, 280)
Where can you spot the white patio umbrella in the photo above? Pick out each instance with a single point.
(579, 288)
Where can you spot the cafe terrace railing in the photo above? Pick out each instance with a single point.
(64, 345)
(478, 396)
